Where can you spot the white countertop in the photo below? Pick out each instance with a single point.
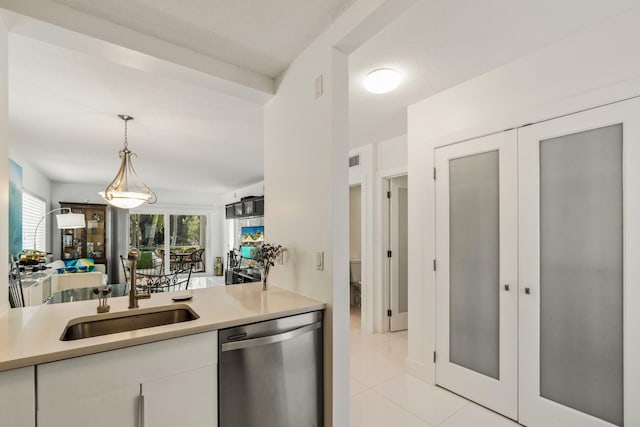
(31, 335)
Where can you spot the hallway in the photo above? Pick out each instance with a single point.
(383, 395)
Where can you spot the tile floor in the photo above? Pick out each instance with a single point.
(383, 395)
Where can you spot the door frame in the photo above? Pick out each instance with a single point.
(383, 179)
(400, 320)
(365, 292)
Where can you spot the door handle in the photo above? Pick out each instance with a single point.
(271, 339)
(507, 287)
(141, 409)
(527, 291)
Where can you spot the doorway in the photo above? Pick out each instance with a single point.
(355, 255)
(397, 254)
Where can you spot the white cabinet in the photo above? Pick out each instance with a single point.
(152, 384)
(17, 397)
(185, 399)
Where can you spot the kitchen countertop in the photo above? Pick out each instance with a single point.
(31, 335)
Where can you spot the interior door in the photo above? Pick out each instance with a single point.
(398, 236)
(579, 269)
(476, 270)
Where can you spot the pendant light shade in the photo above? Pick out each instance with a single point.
(127, 190)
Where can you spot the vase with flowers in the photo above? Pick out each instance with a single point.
(269, 254)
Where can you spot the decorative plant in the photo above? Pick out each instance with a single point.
(270, 253)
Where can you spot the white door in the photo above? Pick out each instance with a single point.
(579, 269)
(398, 237)
(476, 270)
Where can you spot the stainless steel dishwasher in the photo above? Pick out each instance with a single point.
(270, 373)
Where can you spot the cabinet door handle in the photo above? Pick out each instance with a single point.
(507, 287)
(527, 291)
(141, 410)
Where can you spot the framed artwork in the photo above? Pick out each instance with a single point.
(15, 208)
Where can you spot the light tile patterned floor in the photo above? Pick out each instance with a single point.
(383, 395)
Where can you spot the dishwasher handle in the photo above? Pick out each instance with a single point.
(271, 339)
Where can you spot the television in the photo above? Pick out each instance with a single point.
(253, 234)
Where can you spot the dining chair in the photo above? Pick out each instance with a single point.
(16, 295)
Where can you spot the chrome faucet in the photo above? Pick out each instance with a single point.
(133, 256)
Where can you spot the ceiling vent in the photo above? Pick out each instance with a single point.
(354, 160)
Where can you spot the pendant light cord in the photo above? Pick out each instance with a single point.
(126, 144)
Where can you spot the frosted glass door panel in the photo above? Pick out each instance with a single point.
(474, 254)
(581, 274)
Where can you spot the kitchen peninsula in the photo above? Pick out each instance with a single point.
(183, 353)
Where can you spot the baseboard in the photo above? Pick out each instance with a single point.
(420, 371)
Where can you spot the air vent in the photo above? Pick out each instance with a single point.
(354, 160)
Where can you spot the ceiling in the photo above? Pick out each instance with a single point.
(188, 134)
(438, 44)
(63, 108)
(63, 102)
(263, 36)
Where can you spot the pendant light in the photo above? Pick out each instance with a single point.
(127, 190)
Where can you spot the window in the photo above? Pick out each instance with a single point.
(146, 231)
(185, 244)
(33, 209)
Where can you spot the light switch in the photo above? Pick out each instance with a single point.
(320, 260)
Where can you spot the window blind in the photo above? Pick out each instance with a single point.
(33, 209)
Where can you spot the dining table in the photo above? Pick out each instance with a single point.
(84, 294)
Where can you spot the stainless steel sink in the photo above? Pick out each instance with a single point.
(111, 323)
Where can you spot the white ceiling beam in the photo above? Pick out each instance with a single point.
(63, 26)
(378, 18)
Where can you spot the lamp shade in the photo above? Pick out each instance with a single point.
(70, 220)
(126, 199)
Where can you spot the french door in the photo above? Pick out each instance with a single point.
(476, 274)
(538, 274)
(579, 246)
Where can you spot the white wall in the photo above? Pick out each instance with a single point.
(594, 66)
(392, 155)
(256, 189)
(4, 170)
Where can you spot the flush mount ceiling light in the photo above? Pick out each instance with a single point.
(382, 80)
(127, 190)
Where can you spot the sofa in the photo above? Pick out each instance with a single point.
(95, 278)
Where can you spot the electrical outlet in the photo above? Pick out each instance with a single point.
(320, 260)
